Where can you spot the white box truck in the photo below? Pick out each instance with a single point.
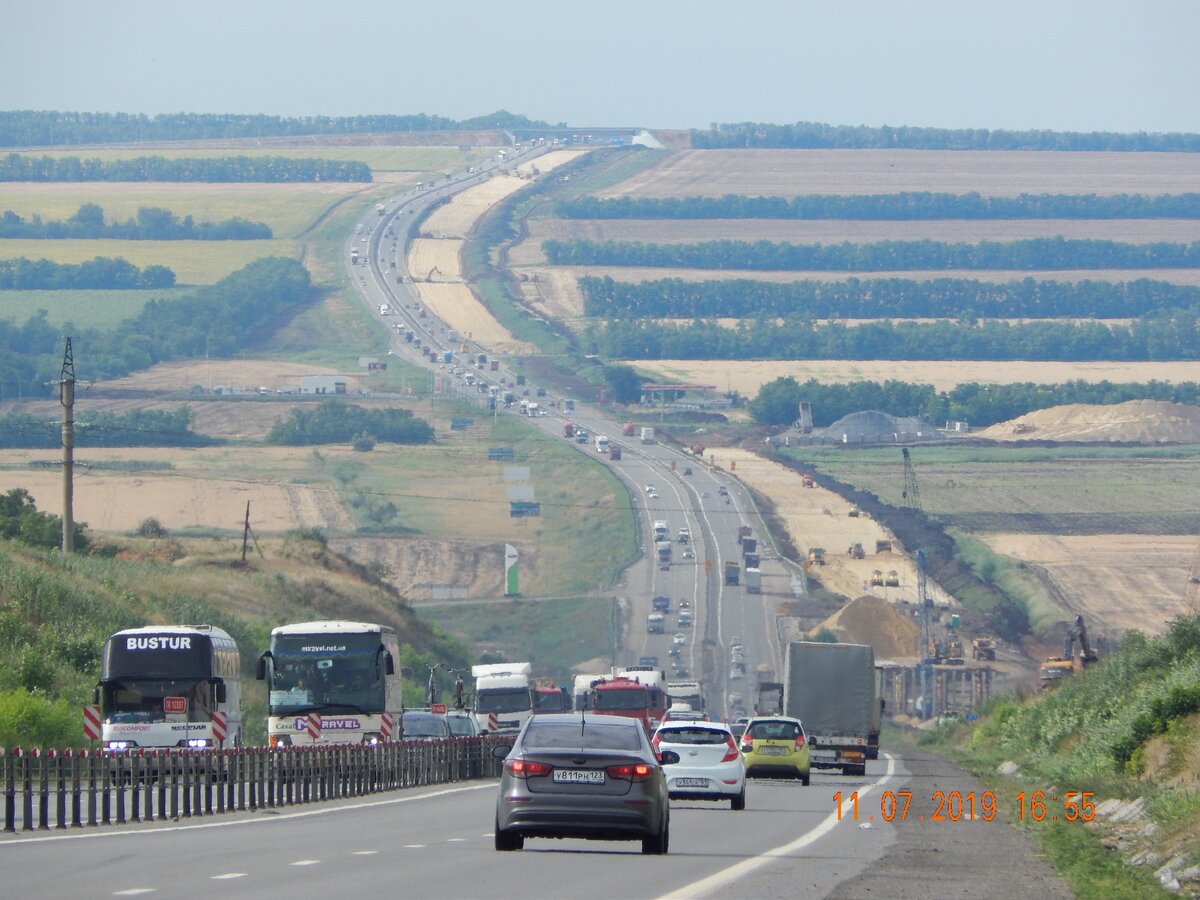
(503, 698)
(647, 435)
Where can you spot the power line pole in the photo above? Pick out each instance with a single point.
(66, 396)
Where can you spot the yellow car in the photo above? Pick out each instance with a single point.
(775, 747)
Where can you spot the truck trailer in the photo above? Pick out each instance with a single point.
(831, 689)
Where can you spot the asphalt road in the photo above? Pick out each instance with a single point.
(437, 842)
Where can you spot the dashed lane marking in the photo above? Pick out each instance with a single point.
(305, 862)
(227, 876)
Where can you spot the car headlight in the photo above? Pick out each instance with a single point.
(121, 745)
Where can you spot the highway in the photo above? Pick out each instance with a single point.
(437, 842)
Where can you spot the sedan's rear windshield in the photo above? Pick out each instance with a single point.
(693, 736)
(592, 735)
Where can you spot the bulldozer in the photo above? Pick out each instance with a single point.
(877, 578)
(983, 648)
(856, 551)
(892, 579)
(1056, 668)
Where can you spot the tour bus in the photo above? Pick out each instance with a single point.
(160, 686)
(343, 672)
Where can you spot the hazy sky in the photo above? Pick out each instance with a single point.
(1064, 65)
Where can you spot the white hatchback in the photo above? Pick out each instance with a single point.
(710, 765)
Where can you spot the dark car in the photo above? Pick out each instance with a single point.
(576, 775)
(424, 726)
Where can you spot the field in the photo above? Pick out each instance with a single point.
(788, 173)
(459, 308)
(445, 255)
(747, 376)
(103, 310)
(379, 156)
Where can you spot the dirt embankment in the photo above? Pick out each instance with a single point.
(1133, 422)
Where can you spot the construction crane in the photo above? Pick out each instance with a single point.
(928, 655)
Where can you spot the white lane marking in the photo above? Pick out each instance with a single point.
(414, 846)
(305, 862)
(724, 877)
(92, 835)
(455, 840)
(227, 876)
(364, 852)
(134, 891)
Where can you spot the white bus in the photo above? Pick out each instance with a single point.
(160, 685)
(344, 672)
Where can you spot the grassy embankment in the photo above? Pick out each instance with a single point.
(1126, 729)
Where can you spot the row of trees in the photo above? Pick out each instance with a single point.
(903, 206)
(816, 135)
(21, 521)
(1172, 336)
(980, 404)
(854, 298)
(101, 273)
(224, 169)
(215, 321)
(37, 128)
(877, 256)
(139, 428)
(150, 224)
(335, 422)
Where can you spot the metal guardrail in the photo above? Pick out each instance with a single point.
(53, 790)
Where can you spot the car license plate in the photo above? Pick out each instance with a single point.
(773, 751)
(691, 782)
(579, 776)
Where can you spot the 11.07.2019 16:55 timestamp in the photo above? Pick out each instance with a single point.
(955, 806)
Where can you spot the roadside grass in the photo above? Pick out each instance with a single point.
(1012, 577)
(568, 631)
(103, 310)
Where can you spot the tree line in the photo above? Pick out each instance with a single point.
(980, 404)
(1167, 336)
(138, 428)
(36, 128)
(334, 422)
(1030, 254)
(224, 169)
(150, 224)
(675, 298)
(214, 321)
(101, 273)
(903, 206)
(820, 136)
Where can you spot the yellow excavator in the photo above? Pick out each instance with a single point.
(1055, 668)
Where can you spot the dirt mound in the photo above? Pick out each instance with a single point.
(870, 620)
(874, 427)
(1136, 421)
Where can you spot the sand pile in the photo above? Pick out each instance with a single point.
(871, 620)
(874, 427)
(1136, 421)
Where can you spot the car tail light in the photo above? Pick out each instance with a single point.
(526, 768)
(732, 752)
(800, 743)
(747, 745)
(629, 771)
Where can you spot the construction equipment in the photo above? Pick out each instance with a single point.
(806, 480)
(816, 555)
(1056, 668)
(883, 546)
(892, 579)
(856, 551)
(910, 495)
(983, 648)
(877, 578)
(854, 513)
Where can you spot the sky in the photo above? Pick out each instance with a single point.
(1061, 65)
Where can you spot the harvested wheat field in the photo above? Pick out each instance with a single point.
(836, 231)
(441, 260)
(787, 173)
(459, 309)
(1117, 581)
(747, 376)
(1136, 421)
(187, 495)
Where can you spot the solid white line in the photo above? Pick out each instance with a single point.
(134, 891)
(722, 878)
(92, 835)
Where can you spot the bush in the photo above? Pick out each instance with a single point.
(151, 528)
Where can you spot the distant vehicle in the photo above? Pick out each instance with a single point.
(503, 701)
(723, 491)
(564, 780)
(420, 725)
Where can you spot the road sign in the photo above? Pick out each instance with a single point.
(91, 723)
(174, 705)
(312, 724)
(220, 726)
(438, 709)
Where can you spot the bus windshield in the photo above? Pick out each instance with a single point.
(141, 700)
(502, 700)
(326, 672)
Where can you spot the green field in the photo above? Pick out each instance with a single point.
(379, 158)
(104, 310)
(1064, 490)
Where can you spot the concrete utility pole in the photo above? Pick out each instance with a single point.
(66, 396)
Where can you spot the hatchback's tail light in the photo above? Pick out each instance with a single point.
(630, 771)
(731, 752)
(800, 743)
(526, 768)
(747, 745)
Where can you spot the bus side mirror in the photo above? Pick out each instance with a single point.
(389, 664)
(261, 672)
(219, 690)
(96, 696)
